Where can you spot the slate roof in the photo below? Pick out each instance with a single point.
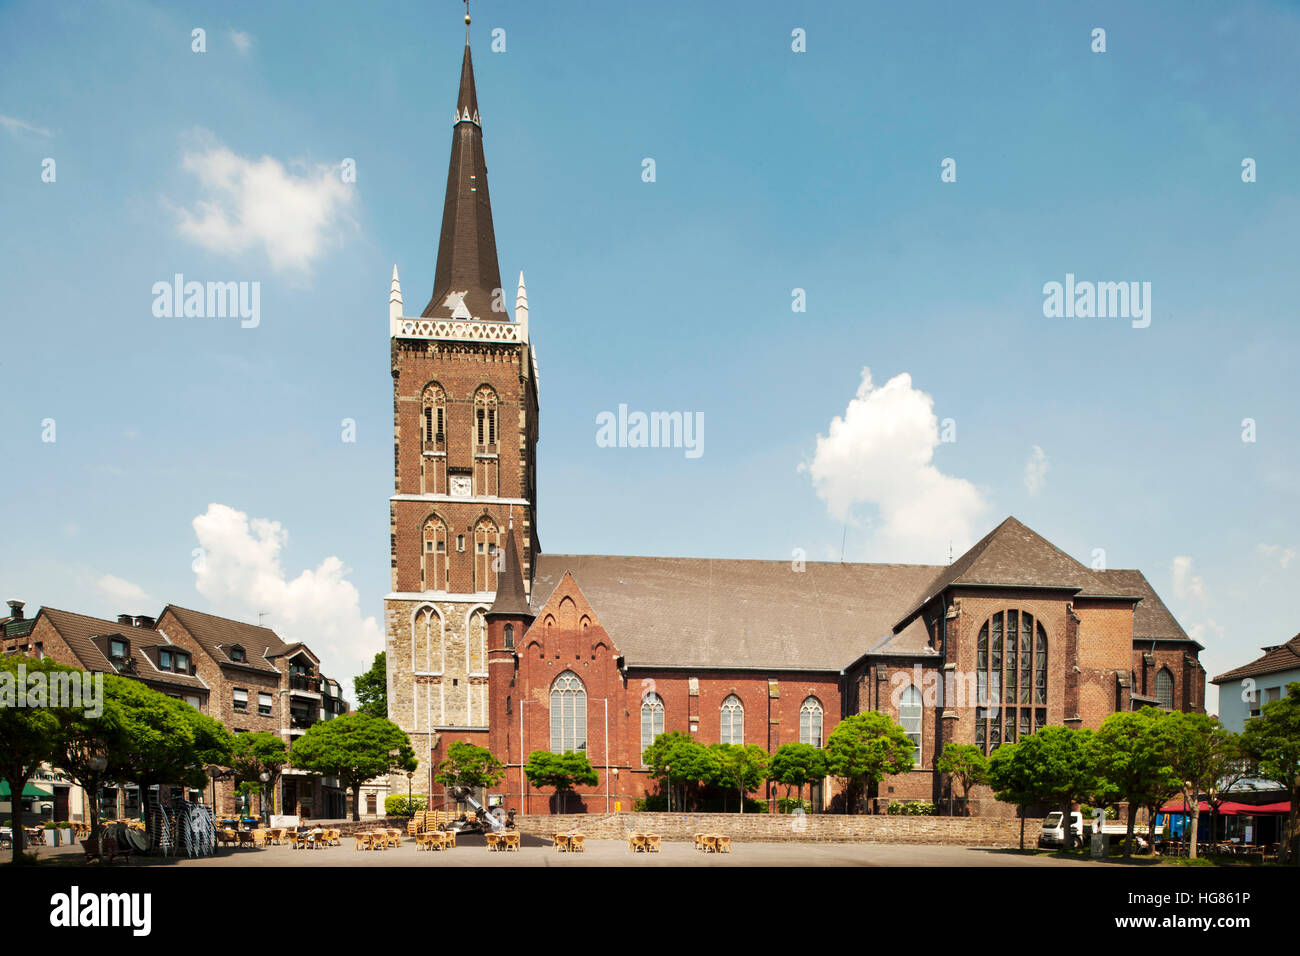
(1283, 657)
(79, 629)
(510, 596)
(216, 635)
(702, 612)
(467, 247)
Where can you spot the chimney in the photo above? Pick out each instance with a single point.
(16, 610)
(144, 621)
(126, 620)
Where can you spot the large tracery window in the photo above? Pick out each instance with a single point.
(1010, 679)
(652, 721)
(810, 722)
(568, 714)
(733, 721)
(1165, 688)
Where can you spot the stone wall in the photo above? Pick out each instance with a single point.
(761, 827)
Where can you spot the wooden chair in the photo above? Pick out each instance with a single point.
(652, 841)
(363, 840)
(709, 843)
(576, 843)
(511, 841)
(226, 837)
(636, 842)
(245, 837)
(259, 838)
(562, 844)
(722, 844)
(699, 841)
(493, 841)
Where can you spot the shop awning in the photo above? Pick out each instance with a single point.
(1180, 806)
(30, 791)
(1270, 809)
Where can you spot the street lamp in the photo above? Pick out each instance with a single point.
(265, 778)
(410, 810)
(668, 772)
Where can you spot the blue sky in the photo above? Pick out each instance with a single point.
(774, 171)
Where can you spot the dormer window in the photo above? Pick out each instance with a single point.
(164, 660)
(237, 654)
(117, 649)
(182, 663)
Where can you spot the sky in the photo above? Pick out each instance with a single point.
(828, 229)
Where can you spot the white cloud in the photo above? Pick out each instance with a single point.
(1036, 470)
(1187, 586)
(242, 40)
(879, 453)
(253, 204)
(127, 597)
(15, 125)
(1276, 552)
(241, 574)
(1207, 632)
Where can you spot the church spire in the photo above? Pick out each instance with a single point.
(467, 278)
(510, 597)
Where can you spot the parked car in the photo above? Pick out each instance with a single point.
(1053, 832)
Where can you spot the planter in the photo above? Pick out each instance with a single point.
(65, 836)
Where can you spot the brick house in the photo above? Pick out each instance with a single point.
(259, 683)
(131, 646)
(492, 641)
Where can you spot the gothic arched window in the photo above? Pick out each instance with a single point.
(433, 412)
(909, 715)
(652, 721)
(433, 555)
(568, 714)
(1165, 688)
(810, 722)
(485, 419)
(428, 642)
(733, 721)
(487, 538)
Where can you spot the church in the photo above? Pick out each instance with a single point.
(493, 641)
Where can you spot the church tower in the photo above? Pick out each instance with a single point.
(464, 455)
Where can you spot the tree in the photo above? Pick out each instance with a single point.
(372, 688)
(28, 733)
(965, 764)
(740, 767)
(563, 772)
(1011, 775)
(469, 766)
(1053, 766)
(355, 748)
(863, 749)
(1202, 754)
(1272, 741)
(1133, 760)
(256, 754)
(797, 764)
(676, 756)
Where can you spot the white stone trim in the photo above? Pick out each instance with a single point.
(431, 597)
(460, 499)
(456, 330)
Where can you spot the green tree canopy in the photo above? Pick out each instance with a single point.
(259, 753)
(966, 764)
(676, 756)
(1204, 756)
(1132, 758)
(742, 769)
(28, 734)
(372, 688)
(562, 772)
(467, 765)
(1011, 775)
(1272, 742)
(865, 748)
(797, 764)
(355, 748)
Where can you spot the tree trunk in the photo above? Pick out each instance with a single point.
(1128, 833)
(1022, 828)
(356, 802)
(16, 810)
(1196, 816)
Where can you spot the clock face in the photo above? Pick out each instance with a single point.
(460, 486)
